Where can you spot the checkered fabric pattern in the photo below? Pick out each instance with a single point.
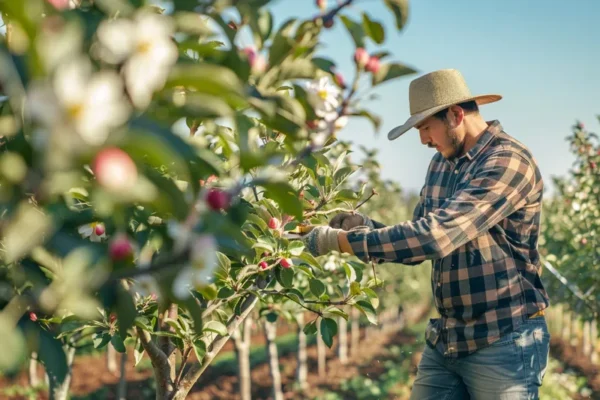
(478, 220)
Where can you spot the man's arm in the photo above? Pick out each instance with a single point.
(501, 186)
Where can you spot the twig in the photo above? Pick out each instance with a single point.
(373, 193)
(338, 209)
(186, 355)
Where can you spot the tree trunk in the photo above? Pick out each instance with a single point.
(34, 379)
(587, 340)
(354, 331)
(60, 391)
(111, 359)
(566, 331)
(343, 340)
(242, 338)
(595, 342)
(271, 334)
(321, 354)
(122, 386)
(302, 369)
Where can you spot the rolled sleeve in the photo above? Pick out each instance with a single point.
(500, 186)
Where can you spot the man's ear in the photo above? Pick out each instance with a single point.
(456, 116)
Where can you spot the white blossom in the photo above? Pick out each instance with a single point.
(144, 43)
(201, 268)
(145, 285)
(324, 96)
(90, 103)
(89, 231)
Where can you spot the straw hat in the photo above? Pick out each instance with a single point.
(435, 91)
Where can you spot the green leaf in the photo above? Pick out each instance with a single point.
(126, 311)
(206, 78)
(373, 29)
(368, 310)
(296, 248)
(372, 296)
(282, 43)
(138, 352)
(400, 10)
(391, 71)
(272, 317)
(299, 68)
(225, 292)
(355, 289)
(342, 174)
(217, 327)
(338, 312)
(375, 120)
(199, 349)
(310, 260)
(286, 196)
(328, 330)
(258, 221)
(100, 340)
(296, 295)
(350, 273)
(27, 229)
(310, 328)
(346, 194)
(118, 343)
(51, 355)
(324, 64)
(356, 31)
(285, 277)
(317, 288)
(208, 292)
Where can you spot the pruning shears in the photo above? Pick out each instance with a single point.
(299, 231)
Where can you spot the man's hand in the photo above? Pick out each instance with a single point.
(321, 240)
(346, 221)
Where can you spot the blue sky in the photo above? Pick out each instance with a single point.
(540, 55)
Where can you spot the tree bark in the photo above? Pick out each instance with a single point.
(302, 368)
(270, 335)
(321, 354)
(343, 340)
(587, 340)
(241, 337)
(60, 391)
(111, 358)
(354, 331)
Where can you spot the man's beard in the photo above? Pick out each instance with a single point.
(457, 144)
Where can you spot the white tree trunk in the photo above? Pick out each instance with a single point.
(241, 338)
(60, 391)
(302, 369)
(343, 340)
(321, 354)
(595, 342)
(122, 386)
(34, 379)
(111, 359)
(587, 340)
(354, 331)
(271, 334)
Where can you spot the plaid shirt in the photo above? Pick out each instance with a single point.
(478, 221)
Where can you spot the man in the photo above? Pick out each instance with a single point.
(478, 221)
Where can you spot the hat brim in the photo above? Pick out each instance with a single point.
(422, 116)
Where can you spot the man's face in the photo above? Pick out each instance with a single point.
(440, 135)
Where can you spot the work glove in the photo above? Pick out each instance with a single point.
(321, 240)
(347, 221)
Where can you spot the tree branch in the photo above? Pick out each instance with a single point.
(373, 193)
(159, 360)
(197, 369)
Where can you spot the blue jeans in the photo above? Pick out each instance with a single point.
(510, 369)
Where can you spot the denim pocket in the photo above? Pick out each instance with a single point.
(541, 339)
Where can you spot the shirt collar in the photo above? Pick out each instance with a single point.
(494, 128)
